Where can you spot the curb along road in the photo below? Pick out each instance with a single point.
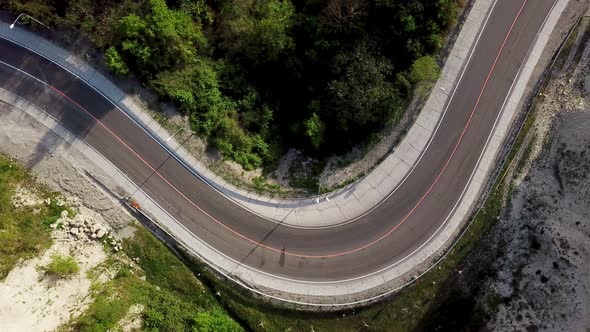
(324, 291)
(346, 204)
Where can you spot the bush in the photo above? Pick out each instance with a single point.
(215, 321)
(258, 30)
(424, 69)
(314, 129)
(104, 314)
(261, 185)
(115, 63)
(158, 38)
(194, 88)
(62, 266)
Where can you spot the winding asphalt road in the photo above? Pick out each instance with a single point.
(389, 233)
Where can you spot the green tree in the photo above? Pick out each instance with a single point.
(314, 129)
(362, 97)
(114, 61)
(195, 88)
(257, 29)
(343, 16)
(198, 9)
(409, 23)
(158, 38)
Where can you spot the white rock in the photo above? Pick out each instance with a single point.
(100, 233)
(75, 230)
(64, 214)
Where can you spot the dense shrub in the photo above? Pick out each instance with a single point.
(115, 63)
(157, 38)
(424, 69)
(257, 29)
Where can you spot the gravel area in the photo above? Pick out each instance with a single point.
(545, 270)
(543, 239)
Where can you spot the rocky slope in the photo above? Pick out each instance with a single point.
(544, 274)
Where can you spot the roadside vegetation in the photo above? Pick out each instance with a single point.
(256, 77)
(148, 275)
(24, 228)
(144, 274)
(404, 311)
(434, 301)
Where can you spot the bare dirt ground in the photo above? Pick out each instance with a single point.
(29, 299)
(59, 166)
(33, 301)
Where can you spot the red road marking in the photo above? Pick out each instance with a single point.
(344, 252)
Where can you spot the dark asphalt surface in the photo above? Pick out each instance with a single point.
(421, 224)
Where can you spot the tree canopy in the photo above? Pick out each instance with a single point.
(362, 95)
(258, 76)
(257, 29)
(157, 38)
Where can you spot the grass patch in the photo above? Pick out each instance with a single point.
(342, 184)
(62, 266)
(567, 48)
(173, 298)
(162, 268)
(261, 185)
(24, 231)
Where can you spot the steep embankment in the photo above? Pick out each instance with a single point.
(79, 261)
